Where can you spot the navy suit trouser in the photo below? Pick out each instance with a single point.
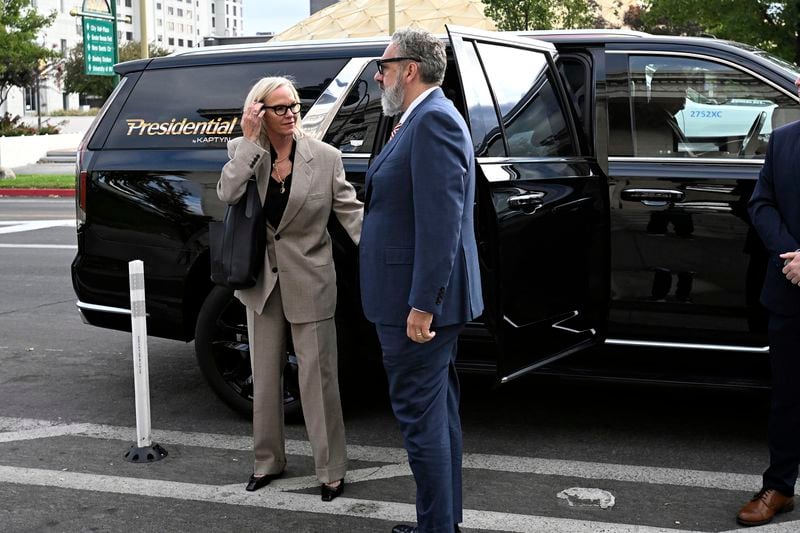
(784, 420)
(424, 391)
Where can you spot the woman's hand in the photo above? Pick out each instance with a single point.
(252, 120)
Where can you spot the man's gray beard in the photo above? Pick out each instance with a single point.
(392, 100)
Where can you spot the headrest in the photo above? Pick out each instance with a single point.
(784, 115)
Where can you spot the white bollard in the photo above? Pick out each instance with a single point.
(144, 451)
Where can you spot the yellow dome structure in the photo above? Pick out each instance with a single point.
(370, 18)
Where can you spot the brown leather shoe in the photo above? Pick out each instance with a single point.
(763, 507)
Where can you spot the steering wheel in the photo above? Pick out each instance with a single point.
(749, 141)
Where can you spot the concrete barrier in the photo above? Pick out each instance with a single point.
(28, 149)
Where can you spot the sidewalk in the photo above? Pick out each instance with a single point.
(41, 168)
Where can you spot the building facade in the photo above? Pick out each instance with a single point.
(171, 24)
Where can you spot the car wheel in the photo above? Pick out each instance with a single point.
(222, 349)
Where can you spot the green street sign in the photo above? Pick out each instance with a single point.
(99, 50)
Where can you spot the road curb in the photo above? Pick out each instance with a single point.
(37, 192)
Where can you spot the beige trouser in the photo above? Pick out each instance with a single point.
(315, 347)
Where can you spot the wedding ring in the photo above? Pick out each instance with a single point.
(419, 334)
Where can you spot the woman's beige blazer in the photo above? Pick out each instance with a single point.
(299, 249)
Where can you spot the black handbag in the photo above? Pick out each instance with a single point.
(237, 244)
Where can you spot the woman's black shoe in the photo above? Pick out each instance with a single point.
(329, 493)
(255, 483)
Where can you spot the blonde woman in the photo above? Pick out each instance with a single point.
(301, 182)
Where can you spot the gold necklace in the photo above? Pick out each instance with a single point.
(280, 179)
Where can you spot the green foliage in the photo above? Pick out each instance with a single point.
(20, 55)
(12, 126)
(768, 24)
(76, 81)
(39, 181)
(91, 112)
(515, 15)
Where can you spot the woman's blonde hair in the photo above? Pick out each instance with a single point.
(262, 89)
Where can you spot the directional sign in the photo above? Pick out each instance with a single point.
(98, 47)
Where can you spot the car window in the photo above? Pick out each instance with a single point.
(200, 106)
(484, 125)
(685, 107)
(355, 125)
(532, 116)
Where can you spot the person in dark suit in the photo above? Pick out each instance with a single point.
(420, 281)
(775, 211)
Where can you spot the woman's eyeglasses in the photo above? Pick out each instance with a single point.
(382, 62)
(281, 110)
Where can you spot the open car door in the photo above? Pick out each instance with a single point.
(542, 202)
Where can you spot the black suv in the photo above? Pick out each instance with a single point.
(614, 170)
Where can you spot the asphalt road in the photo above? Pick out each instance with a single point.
(673, 459)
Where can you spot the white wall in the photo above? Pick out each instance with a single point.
(26, 150)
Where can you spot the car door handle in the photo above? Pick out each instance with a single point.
(528, 202)
(652, 196)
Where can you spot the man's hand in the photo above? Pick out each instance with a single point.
(791, 266)
(418, 326)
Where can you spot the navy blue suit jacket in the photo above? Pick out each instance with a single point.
(775, 211)
(418, 241)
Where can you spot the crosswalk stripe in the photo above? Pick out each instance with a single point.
(41, 246)
(37, 429)
(273, 498)
(18, 226)
(279, 496)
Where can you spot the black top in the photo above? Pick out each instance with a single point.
(276, 201)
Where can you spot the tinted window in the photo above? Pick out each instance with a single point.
(483, 122)
(531, 113)
(200, 106)
(684, 107)
(355, 125)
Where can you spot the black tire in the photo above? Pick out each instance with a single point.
(223, 353)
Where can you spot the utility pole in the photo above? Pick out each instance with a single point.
(143, 26)
(391, 17)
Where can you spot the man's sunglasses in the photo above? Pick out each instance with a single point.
(381, 62)
(280, 110)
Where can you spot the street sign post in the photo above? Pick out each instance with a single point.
(99, 36)
(99, 50)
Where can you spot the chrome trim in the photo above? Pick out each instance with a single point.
(319, 117)
(505, 38)
(684, 160)
(722, 207)
(545, 361)
(688, 346)
(731, 64)
(558, 325)
(83, 306)
(351, 155)
(518, 159)
(722, 189)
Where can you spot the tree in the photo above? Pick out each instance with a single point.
(771, 25)
(515, 15)
(20, 55)
(76, 81)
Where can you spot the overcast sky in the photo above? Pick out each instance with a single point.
(272, 15)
